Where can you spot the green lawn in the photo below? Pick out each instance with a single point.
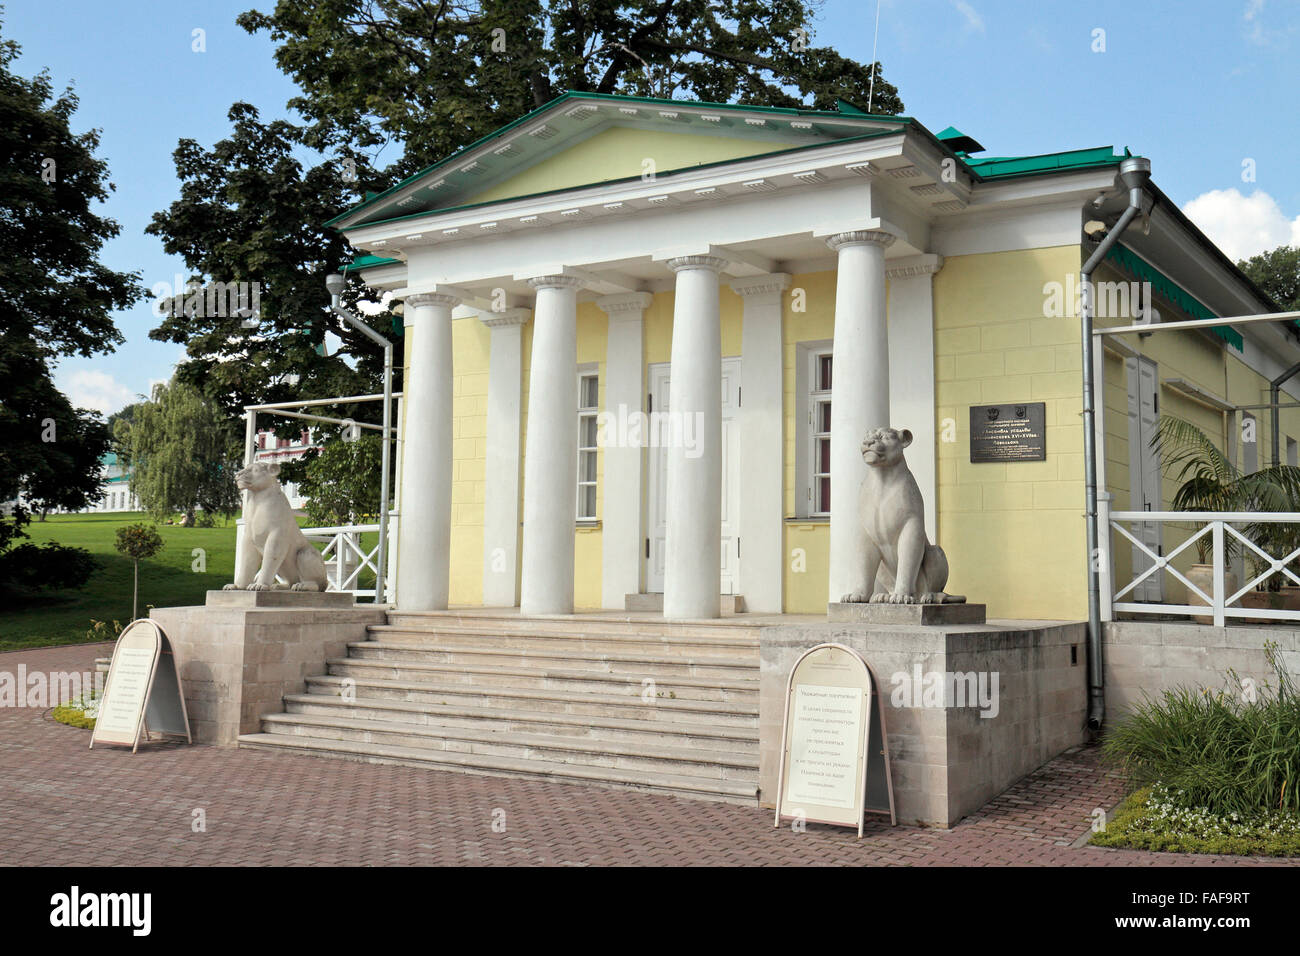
(168, 578)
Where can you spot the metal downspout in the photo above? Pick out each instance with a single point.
(1133, 173)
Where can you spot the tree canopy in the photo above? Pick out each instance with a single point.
(179, 447)
(390, 86)
(1278, 273)
(56, 297)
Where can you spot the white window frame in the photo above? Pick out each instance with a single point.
(585, 412)
(808, 357)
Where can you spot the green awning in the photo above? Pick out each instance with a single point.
(1171, 291)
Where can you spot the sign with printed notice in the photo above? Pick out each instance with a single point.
(835, 757)
(1008, 432)
(143, 693)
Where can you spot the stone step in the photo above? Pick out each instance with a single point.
(568, 702)
(653, 601)
(614, 730)
(734, 690)
(611, 623)
(635, 663)
(739, 648)
(657, 758)
(677, 785)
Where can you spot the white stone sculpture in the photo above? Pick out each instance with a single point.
(273, 538)
(893, 522)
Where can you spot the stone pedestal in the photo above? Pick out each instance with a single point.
(926, 614)
(946, 758)
(242, 651)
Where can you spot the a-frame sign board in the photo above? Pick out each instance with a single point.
(834, 756)
(143, 693)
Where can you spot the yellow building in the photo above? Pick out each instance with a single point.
(553, 273)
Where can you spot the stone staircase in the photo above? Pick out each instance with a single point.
(606, 700)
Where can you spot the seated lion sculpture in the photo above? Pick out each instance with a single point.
(273, 538)
(893, 522)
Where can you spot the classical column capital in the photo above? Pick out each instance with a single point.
(713, 264)
(625, 302)
(506, 319)
(557, 281)
(912, 266)
(761, 285)
(860, 237)
(433, 298)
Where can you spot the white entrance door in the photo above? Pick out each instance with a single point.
(1144, 469)
(657, 519)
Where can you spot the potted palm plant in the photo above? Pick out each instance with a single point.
(1208, 481)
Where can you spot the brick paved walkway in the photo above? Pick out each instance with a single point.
(62, 804)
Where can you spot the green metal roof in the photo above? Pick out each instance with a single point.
(1002, 167)
(368, 262)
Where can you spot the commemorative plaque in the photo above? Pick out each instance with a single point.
(1008, 432)
(835, 754)
(142, 695)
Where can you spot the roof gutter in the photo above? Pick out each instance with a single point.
(1134, 173)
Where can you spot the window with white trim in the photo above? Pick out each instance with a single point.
(813, 374)
(588, 409)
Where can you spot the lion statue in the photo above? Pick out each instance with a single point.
(893, 521)
(273, 538)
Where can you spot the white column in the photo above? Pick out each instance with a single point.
(424, 539)
(762, 443)
(911, 365)
(859, 390)
(692, 573)
(501, 492)
(395, 515)
(622, 532)
(551, 452)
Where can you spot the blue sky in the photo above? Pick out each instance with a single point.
(1200, 86)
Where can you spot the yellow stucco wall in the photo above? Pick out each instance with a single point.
(1013, 532)
(619, 153)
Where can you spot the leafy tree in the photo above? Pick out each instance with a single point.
(139, 542)
(1277, 273)
(56, 297)
(341, 481)
(430, 79)
(438, 76)
(249, 212)
(179, 448)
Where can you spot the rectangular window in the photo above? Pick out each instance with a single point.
(820, 417)
(588, 409)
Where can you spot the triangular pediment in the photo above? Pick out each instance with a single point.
(585, 139)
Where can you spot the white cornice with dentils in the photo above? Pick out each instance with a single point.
(602, 200)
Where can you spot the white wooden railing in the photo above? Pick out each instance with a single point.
(1220, 602)
(345, 556)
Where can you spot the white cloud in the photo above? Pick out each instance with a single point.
(973, 20)
(1243, 226)
(87, 388)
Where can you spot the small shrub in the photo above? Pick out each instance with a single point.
(1214, 749)
(51, 566)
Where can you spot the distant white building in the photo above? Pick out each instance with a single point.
(282, 451)
(116, 477)
(115, 481)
